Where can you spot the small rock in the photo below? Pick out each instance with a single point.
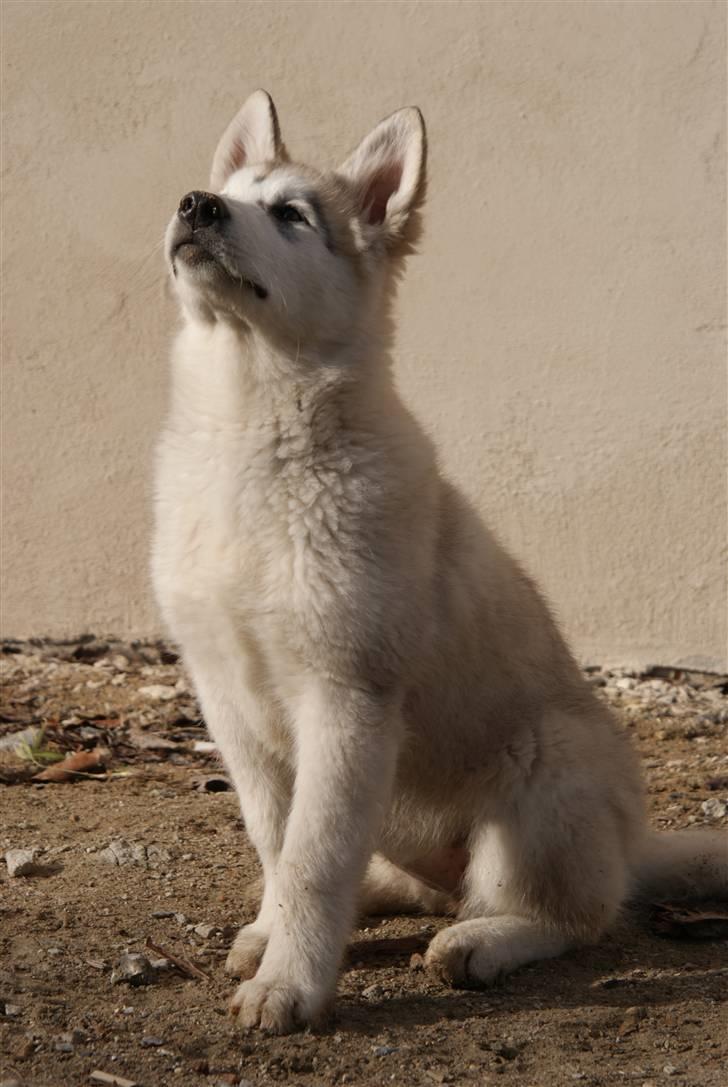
(20, 862)
(417, 962)
(162, 913)
(372, 992)
(632, 1018)
(120, 852)
(23, 1049)
(16, 740)
(157, 855)
(159, 692)
(507, 1052)
(133, 969)
(148, 1041)
(671, 1070)
(384, 1050)
(73, 1036)
(10, 1011)
(206, 931)
(713, 808)
(625, 684)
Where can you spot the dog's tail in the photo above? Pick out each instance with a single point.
(683, 864)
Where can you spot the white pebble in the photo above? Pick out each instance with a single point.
(713, 808)
(20, 862)
(159, 692)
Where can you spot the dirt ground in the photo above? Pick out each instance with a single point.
(639, 1007)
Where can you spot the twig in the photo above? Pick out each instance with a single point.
(184, 965)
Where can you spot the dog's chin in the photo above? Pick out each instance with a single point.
(191, 255)
(203, 267)
(196, 263)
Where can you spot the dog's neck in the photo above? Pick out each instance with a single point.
(225, 376)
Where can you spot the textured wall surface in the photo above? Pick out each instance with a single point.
(561, 332)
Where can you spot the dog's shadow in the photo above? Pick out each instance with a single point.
(630, 967)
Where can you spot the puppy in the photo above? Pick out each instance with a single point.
(402, 720)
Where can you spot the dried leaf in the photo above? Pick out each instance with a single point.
(152, 741)
(79, 763)
(681, 923)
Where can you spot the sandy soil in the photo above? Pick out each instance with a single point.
(637, 1008)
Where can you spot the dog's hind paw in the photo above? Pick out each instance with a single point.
(472, 954)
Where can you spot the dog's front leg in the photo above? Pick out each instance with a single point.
(347, 744)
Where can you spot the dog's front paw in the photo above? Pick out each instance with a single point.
(275, 1005)
(244, 957)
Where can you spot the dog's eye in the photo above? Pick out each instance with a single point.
(286, 213)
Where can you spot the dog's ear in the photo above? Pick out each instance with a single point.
(387, 171)
(252, 136)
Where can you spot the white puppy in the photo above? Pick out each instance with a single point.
(386, 685)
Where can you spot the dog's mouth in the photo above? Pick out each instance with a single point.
(192, 253)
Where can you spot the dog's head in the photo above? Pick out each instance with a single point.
(295, 252)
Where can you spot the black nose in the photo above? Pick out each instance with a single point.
(199, 209)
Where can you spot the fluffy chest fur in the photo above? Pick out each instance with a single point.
(269, 513)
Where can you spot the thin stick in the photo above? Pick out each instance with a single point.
(184, 965)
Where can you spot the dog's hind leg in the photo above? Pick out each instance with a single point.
(550, 876)
(388, 889)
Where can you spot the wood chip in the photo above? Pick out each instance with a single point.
(111, 1080)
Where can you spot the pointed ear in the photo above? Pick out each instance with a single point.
(252, 136)
(387, 171)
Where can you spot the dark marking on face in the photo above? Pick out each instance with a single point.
(315, 203)
(285, 229)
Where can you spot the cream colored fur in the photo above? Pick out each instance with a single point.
(386, 686)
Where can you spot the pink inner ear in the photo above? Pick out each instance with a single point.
(381, 186)
(236, 155)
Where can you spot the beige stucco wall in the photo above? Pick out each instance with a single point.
(561, 331)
